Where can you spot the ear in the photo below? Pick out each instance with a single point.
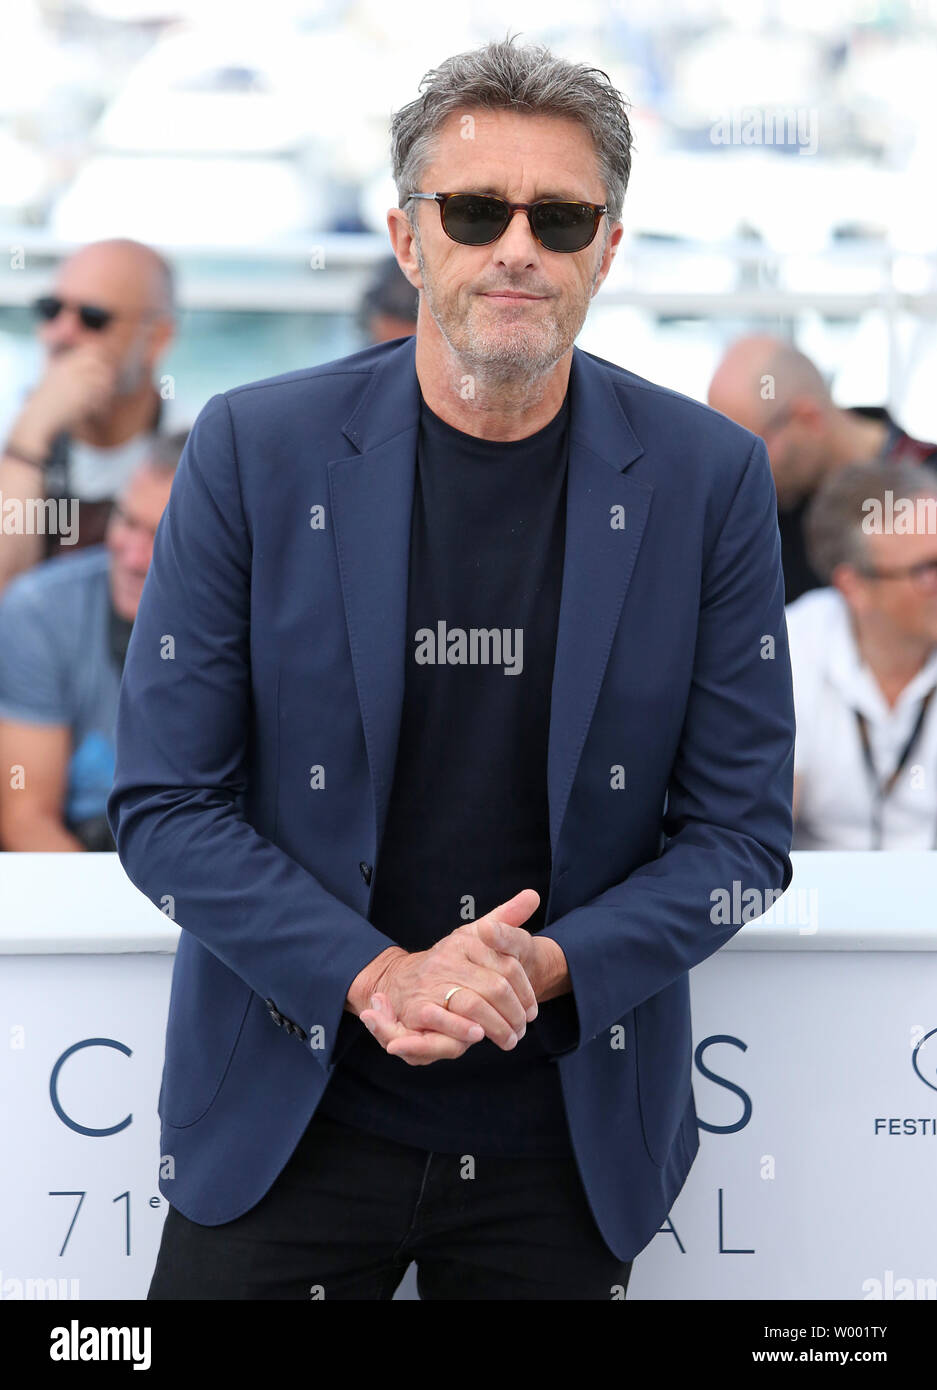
(808, 412)
(614, 239)
(403, 245)
(162, 332)
(851, 584)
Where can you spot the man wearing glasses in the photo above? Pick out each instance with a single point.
(87, 425)
(479, 688)
(864, 659)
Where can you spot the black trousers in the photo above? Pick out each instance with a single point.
(350, 1211)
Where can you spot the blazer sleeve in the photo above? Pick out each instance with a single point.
(728, 812)
(183, 721)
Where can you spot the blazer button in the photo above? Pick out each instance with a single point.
(365, 871)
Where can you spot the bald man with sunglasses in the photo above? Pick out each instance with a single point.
(85, 427)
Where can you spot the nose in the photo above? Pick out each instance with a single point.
(131, 547)
(138, 551)
(516, 245)
(65, 330)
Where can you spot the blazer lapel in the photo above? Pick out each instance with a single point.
(371, 495)
(598, 562)
(372, 498)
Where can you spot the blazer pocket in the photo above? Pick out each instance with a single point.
(207, 1007)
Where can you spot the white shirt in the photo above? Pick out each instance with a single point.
(836, 794)
(94, 473)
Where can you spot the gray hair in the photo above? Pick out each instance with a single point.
(529, 78)
(833, 523)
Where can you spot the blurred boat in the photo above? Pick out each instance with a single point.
(197, 202)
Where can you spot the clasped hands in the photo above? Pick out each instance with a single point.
(501, 969)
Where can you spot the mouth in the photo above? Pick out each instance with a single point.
(512, 297)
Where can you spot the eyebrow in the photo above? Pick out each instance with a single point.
(566, 197)
(122, 514)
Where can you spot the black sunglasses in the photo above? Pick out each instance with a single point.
(477, 219)
(49, 306)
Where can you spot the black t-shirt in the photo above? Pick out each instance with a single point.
(468, 819)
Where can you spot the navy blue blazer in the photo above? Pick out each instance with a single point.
(257, 732)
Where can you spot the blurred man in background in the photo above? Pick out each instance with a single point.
(87, 425)
(767, 385)
(389, 305)
(64, 629)
(864, 661)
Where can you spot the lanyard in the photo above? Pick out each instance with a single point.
(880, 790)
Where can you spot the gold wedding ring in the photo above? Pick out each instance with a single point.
(451, 993)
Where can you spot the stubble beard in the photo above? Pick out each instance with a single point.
(512, 355)
(134, 372)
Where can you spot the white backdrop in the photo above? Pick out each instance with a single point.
(815, 1077)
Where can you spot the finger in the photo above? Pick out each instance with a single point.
(437, 1018)
(381, 1019)
(502, 936)
(380, 1027)
(384, 1024)
(516, 911)
(504, 1022)
(419, 1049)
(410, 1045)
(490, 984)
(427, 1017)
(484, 952)
(89, 357)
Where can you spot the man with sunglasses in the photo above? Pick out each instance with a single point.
(766, 384)
(86, 426)
(468, 712)
(864, 659)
